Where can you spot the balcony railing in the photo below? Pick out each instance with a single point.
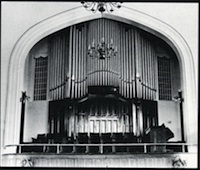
(102, 148)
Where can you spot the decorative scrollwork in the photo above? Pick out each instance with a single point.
(27, 162)
(101, 6)
(177, 162)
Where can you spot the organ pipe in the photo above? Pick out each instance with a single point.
(68, 72)
(73, 61)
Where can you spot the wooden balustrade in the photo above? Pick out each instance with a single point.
(136, 147)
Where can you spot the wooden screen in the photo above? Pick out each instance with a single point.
(101, 116)
(93, 116)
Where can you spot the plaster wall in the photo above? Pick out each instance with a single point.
(36, 120)
(169, 115)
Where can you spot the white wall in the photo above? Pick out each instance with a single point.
(36, 119)
(36, 113)
(169, 115)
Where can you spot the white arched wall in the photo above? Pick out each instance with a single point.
(40, 30)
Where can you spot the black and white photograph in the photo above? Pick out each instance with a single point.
(99, 84)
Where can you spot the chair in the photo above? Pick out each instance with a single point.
(42, 138)
(106, 138)
(58, 137)
(118, 138)
(82, 138)
(67, 140)
(94, 138)
(131, 138)
(50, 139)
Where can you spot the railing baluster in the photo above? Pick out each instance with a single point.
(74, 149)
(87, 149)
(183, 148)
(61, 148)
(145, 148)
(20, 149)
(58, 151)
(44, 147)
(101, 148)
(113, 148)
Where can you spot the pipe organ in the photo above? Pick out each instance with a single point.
(72, 72)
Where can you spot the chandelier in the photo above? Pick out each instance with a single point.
(102, 50)
(101, 6)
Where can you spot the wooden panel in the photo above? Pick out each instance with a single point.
(91, 126)
(97, 126)
(103, 126)
(114, 126)
(108, 126)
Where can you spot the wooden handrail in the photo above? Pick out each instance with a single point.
(103, 144)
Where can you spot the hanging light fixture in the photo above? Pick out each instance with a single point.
(102, 50)
(101, 6)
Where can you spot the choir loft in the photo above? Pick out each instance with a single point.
(99, 89)
(101, 82)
